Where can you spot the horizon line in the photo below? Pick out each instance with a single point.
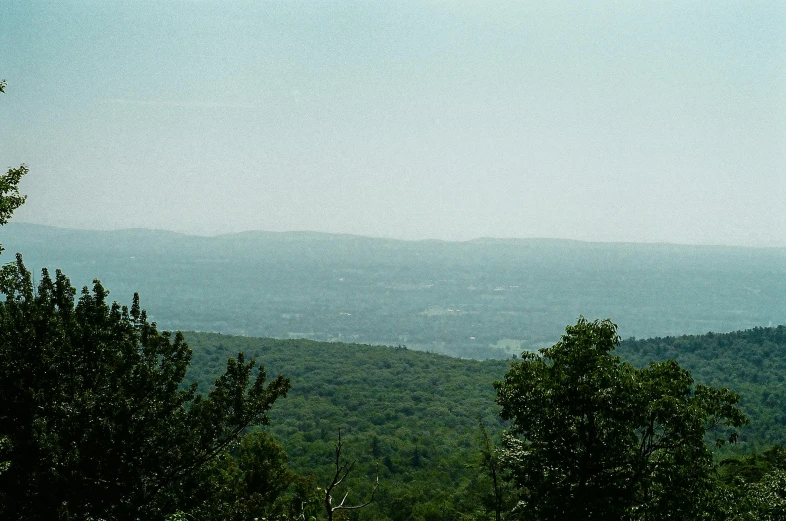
(398, 239)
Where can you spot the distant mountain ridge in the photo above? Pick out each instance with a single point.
(15, 228)
(480, 298)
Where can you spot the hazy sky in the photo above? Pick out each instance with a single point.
(610, 121)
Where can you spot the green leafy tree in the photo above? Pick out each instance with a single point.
(595, 438)
(10, 198)
(253, 482)
(767, 498)
(755, 486)
(489, 461)
(95, 420)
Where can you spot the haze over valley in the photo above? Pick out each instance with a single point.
(486, 298)
(433, 260)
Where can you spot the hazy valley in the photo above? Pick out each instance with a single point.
(487, 298)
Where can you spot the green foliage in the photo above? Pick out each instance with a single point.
(767, 498)
(10, 198)
(262, 462)
(252, 481)
(752, 362)
(592, 437)
(500, 498)
(754, 466)
(754, 487)
(95, 421)
(391, 404)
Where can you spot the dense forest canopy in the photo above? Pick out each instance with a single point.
(594, 438)
(416, 421)
(94, 421)
(751, 362)
(397, 403)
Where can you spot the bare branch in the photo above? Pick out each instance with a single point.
(367, 503)
(342, 471)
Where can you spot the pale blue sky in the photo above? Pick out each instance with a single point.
(609, 121)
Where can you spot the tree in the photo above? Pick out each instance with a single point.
(10, 198)
(755, 486)
(594, 438)
(342, 470)
(95, 420)
(489, 461)
(251, 482)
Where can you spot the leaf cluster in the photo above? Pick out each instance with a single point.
(753, 362)
(95, 420)
(408, 416)
(593, 437)
(10, 198)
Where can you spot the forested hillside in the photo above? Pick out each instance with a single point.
(751, 362)
(486, 298)
(413, 417)
(409, 417)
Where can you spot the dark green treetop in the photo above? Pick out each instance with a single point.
(593, 437)
(95, 421)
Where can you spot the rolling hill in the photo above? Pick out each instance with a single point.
(487, 298)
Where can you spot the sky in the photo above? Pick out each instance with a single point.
(598, 120)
